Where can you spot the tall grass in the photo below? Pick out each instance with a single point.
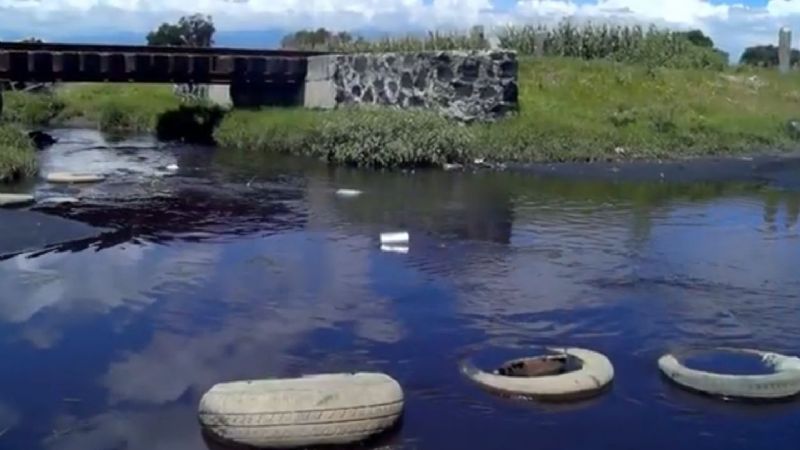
(380, 138)
(17, 155)
(118, 107)
(570, 110)
(624, 43)
(31, 108)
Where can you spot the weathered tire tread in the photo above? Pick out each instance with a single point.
(327, 419)
(311, 417)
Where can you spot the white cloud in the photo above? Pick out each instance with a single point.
(732, 24)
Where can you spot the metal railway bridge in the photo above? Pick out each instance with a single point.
(44, 62)
(255, 76)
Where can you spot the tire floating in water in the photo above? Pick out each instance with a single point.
(15, 199)
(784, 383)
(330, 409)
(569, 374)
(69, 177)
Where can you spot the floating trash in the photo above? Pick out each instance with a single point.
(396, 238)
(15, 199)
(402, 249)
(348, 193)
(58, 200)
(329, 409)
(69, 177)
(173, 167)
(569, 374)
(783, 383)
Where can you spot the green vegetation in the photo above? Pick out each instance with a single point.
(767, 56)
(30, 108)
(577, 110)
(190, 31)
(570, 110)
(600, 92)
(630, 44)
(110, 107)
(117, 107)
(17, 155)
(359, 137)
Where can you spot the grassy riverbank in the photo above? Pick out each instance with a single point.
(570, 110)
(17, 155)
(133, 108)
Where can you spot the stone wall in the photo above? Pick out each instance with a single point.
(467, 86)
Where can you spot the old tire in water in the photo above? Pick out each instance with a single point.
(15, 199)
(784, 383)
(331, 409)
(569, 374)
(68, 177)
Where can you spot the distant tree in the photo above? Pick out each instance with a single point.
(190, 31)
(766, 56)
(698, 38)
(319, 39)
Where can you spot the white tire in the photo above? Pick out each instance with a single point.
(333, 409)
(58, 200)
(784, 383)
(15, 199)
(595, 373)
(68, 177)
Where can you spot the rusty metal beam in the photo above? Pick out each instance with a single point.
(146, 67)
(100, 48)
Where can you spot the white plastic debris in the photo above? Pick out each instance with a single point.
(401, 249)
(172, 167)
(59, 200)
(15, 199)
(396, 238)
(451, 167)
(69, 177)
(348, 193)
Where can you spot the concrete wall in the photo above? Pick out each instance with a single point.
(467, 86)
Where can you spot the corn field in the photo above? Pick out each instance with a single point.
(624, 43)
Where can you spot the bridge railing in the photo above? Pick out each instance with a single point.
(42, 62)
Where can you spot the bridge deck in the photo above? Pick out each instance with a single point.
(43, 62)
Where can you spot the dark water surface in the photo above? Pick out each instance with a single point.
(119, 313)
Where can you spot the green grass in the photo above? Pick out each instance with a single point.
(17, 155)
(31, 109)
(575, 110)
(357, 137)
(117, 107)
(570, 110)
(634, 44)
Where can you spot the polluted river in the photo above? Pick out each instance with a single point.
(122, 302)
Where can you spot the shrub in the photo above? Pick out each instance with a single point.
(193, 124)
(378, 138)
(29, 108)
(387, 138)
(17, 155)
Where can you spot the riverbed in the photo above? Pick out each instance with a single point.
(117, 312)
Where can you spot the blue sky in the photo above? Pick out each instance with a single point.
(733, 24)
